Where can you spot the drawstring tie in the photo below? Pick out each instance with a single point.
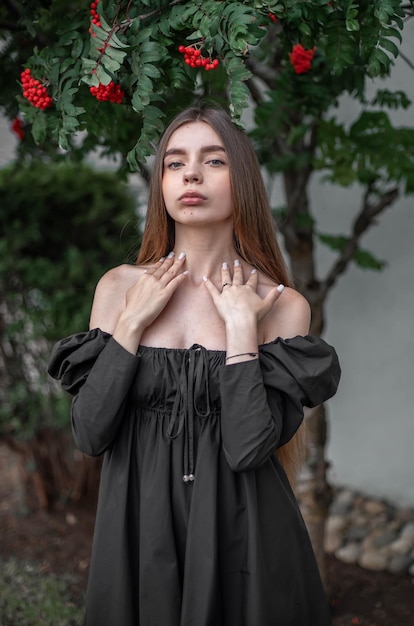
(192, 384)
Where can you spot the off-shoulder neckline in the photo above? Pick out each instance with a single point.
(198, 347)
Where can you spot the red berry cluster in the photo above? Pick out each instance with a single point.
(301, 59)
(34, 91)
(194, 58)
(95, 19)
(110, 92)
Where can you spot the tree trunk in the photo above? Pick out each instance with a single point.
(53, 471)
(313, 490)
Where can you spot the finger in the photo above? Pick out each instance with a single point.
(273, 295)
(163, 265)
(237, 273)
(225, 275)
(252, 280)
(175, 267)
(152, 268)
(211, 288)
(175, 282)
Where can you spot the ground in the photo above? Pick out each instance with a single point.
(59, 542)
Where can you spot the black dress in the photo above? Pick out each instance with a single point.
(196, 523)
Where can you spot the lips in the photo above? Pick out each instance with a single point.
(192, 195)
(192, 198)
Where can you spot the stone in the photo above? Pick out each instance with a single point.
(379, 520)
(402, 545)
(356, 518)
(371, 532)
(356, 533)
(332, 542)
(408, 531)
(349, 553)
(385, 538)
(334, 531)
(375, 560)
(71, 519)
(342, 502)
(374, 507)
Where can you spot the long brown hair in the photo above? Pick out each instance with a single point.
(254, 230)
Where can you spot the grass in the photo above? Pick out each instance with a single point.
(31, 598)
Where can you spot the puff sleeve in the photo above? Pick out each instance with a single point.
(262, 400)
(98, 372)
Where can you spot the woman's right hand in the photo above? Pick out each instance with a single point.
(150, 294)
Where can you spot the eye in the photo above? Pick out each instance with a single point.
(216, 162)
(174, 165)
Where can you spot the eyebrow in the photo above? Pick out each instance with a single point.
(203, 150)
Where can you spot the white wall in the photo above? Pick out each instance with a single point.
(8, 142)
(370, 321)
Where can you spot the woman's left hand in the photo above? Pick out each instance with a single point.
(239, 300)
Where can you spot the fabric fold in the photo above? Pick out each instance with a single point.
(263, 399)
(98, 371)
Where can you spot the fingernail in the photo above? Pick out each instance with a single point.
(253, 271)
(236, 263)
(162, 259)
(181, 256)
(186, 272)
(280, 288)
(224, 266)
(170, 256)
(205, 278)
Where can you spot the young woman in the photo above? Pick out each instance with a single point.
(194, 371)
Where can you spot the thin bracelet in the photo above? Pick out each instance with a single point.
(242, 354)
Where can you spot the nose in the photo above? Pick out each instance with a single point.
(192, 173)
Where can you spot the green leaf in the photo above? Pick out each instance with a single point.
(389, 45)
(335, 242)
(77, 47)
(103, 77)
(392, 100)
(63, 139)
(151, 71)
(67, 38)
(139, 101)
(39, 127)
(363, 258)
(110, 64)
(115, 54)
(305, 29)
(70, 124)
(367, 261)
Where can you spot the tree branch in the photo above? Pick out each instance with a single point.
(11, 26)
(363, 222)
(407, 60)
(266, 73)
(255, 92)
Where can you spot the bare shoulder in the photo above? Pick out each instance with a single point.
(110, 296)
(119, 277)
(290, 316)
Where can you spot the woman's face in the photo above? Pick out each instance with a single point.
(196, 176)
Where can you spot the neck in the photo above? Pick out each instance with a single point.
(206, 250)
